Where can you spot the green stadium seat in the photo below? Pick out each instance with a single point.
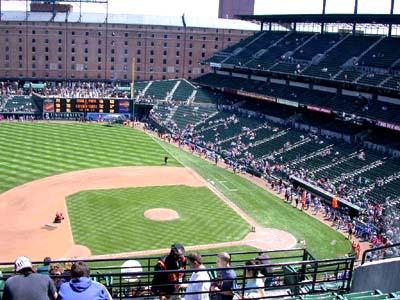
(160, 89)
(292, 278)
(2, 284)
(395, 294)
(317, 296)
(372, 297)
(332, 285)
(358, 294)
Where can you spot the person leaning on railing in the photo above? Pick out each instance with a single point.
(254, 287)
(81, 286)
(224, 288)
(27, 284)
(167, 284)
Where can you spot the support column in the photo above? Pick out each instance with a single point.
(133, 78)
(323, 13)
(391, 13)
(355, 13)
(105, 61)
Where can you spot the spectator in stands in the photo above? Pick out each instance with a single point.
(350, 230)
(56, 273)
(27, 284)
(45, 268)
(317, 205)
(227, 278)
(266, 270)
(254, 286)
(81, 286)
(165, 284)
(67, 271)
(199, 281)
(287, 193)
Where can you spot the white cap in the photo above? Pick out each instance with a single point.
(22, 262)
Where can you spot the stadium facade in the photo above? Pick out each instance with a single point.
(228, 9)
(71, 46)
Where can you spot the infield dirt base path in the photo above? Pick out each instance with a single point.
(27, 212)
(27, 209)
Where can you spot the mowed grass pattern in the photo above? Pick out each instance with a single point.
(31, 151)
(112, 221)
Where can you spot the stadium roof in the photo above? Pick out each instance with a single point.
(327, 18)
(73, 17)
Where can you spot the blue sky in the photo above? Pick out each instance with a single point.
(210, 7)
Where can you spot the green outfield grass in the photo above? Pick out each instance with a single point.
(112, 221)
(267, 209)
(31, 151)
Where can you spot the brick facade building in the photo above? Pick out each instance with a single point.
(62, 47)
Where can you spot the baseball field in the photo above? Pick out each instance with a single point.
(104, 179)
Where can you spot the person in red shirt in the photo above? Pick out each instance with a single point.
(334, 203)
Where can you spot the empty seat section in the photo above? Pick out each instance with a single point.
(159, 89)
(372, 79)
(183, 91)
(317, 45)
(383, 54)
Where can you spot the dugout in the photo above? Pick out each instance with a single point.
(141, 111)
(352, 209)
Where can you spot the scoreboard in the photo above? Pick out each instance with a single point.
(87, 105)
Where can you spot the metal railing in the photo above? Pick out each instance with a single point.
(384, 252)
(147, 262)
(291, 272)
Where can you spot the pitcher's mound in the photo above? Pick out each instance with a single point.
(161, 214)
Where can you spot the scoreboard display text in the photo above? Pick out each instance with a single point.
(86, 105)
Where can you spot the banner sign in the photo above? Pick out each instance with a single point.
(256, 96)
(215, 65)
(388, 125)
(316, 108)
(288, 102)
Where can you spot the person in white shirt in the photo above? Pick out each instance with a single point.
(199, 281)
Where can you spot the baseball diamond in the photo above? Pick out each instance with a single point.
(100, 217)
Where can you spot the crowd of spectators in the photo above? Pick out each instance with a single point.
(73, 281)
(84, 90)
(70, 281)
(64, 89)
